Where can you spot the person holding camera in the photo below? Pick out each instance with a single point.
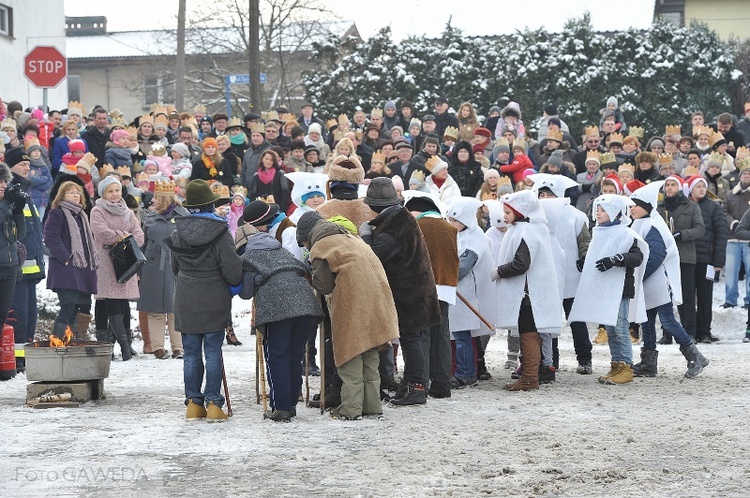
(12, 227)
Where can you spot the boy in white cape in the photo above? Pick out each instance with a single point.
(610, 290)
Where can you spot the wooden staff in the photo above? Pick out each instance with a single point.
(257, 348)
(323, 362)
(307, 377)
(262, 369)
(226, 388)
(475, 311)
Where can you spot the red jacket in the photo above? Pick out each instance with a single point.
(521, 163)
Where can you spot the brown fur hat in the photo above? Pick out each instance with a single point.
(646, 157)
(346, 169)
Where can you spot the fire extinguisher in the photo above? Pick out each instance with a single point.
(8, 354)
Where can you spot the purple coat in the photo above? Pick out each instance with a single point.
(107, 229)
(57, 239)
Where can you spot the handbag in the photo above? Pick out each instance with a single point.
(127, 258)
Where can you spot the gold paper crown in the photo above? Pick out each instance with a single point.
(158, 149)
(451, 132)
(607, 158)
(119, 123)
(702, 130)
(742, 152)
(689, 171)
(234, 122)
(376, 113)
(158, 108)
(504, 181)
(616, 138)
(171, 109)
(432, 162)
(74, 104)
(142, 177)
(715, 138)
(268, 199)
(32, 142)
(717, 157)
(123, 171)
(338, 135)
(272, 116)
(636, 131)
(239, 190)
(673, 130)
(257, 128)
(378, 157)
(626, 167)
(132, 131)
(343, 117)
(331, 123)
(593, 155)
(199, 108)
(107, 168)
(161, 120)
(146, 118)
(417, 175)
(359, 134)
(665, 159)
(591, 131)
(743, 163)
(556, 135)
(221, 190)
(115, 113)
(87, 161)
(164, 188)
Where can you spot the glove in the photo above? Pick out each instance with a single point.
(586, 187)
(605, 264)
(677, 236)
(494, 275)
(365, 230)
(579, 263)
(16, 197)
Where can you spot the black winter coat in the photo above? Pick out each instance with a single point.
(683, 217)
(712, 247)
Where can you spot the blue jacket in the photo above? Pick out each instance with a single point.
(33, 267)
(657, 252)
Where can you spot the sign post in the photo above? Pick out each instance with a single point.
(45, 67)
(237, 79)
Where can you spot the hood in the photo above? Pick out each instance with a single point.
(262, 242)
(195, 236)
(323, 229)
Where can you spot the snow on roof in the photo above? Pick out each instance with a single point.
(164, 42)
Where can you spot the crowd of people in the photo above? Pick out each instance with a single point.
(392, 230)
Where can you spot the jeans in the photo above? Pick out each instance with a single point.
(581, 339)
(411, 349)
(738, 252)
(436, 344)
(620, 346)
(195, 346)
(546, 349)
(670, 324)
(284, 349)
(23, 313)
(687, 308)
(466, 367)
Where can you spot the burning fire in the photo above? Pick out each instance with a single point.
(55, 341)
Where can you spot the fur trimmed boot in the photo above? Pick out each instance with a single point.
(532, 356)
(647, 366)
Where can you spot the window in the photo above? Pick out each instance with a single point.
(673, 17)
(74, 87)
(158, 88)
(6, 20)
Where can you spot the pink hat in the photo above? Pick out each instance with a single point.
(116, 135)
(77, 145)
(398, 183)
(693, 181)
(528, 172)
(491, 173)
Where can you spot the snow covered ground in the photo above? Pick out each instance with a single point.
(655, 437)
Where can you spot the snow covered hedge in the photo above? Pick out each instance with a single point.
(660, 76)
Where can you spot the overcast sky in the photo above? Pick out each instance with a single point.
(415, 17)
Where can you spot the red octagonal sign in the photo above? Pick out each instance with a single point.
(45, 66)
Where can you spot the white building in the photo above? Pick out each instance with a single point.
(25, 24)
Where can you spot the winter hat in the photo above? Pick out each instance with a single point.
(428, 117)
(420, 201)
(504, 186)
(417, 179)
(646, 157)
(491, 173)
(381, 193)
(464, 210)
(647, 196)
(613, 100)
(396, 127)
(527, 172)
(494, 108)
(389, 105)
(525, 204)
(614, 180)
(311, 148)
(521, 145)
(307, 185)
(656, 141)
(435, 164)
(181, 149)
(551, 110)
(558, 184)
(259, 213)
(694, 180)
(616, 206)
(483, 132)
(477, 148)
(209, 141)
(512, 109)
(346, 169)
(609, 113)
(77, 145)
(406, 103)
(314, 127)
(398, 184)
(555, 159)
(555, 121)
(501, 145)
(431, 138)
(105, 183)
(305, 226)
(198, 195)
(632, 186)
(15, 155)
(116, 135)
(680, 182)
(415, 122)
(495, 209)
(87, 162)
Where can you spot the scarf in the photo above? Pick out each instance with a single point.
(266, 175)
(238, 139)
(210, 166)
(78, 256)
(438, 181)
(116, 208)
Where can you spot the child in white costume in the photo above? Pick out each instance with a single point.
(528, 297)
(308, 193)
(475, 266)
(612, 277)
(661, 284)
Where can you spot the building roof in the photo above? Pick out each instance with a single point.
(202, 41)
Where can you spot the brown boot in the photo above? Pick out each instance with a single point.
(532, 356)
(143, 322)
(82, 326)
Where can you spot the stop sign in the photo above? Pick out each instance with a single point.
(45, 66)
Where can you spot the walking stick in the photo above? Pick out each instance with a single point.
(257, 348)
(262, 369)
(226, 388)
(475, 311)
(323, 365)
(307, 376)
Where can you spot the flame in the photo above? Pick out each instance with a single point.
(68, 336)
(55, 342)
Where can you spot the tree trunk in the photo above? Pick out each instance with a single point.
(180, 63)
(254, 54)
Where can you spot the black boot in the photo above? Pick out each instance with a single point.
(546, 374)
(415, 395)
(130, 341)
(647, 366)
(665, 339)
(696, 362)
(117, 327)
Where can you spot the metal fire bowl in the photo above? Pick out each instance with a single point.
(79, 360)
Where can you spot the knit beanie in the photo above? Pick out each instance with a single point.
(613, 100)
(116, 135)
(181, 149)
(77, 145)
(556, 159)
(305, 226)
(106, 182)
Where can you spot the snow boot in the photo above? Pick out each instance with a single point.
(584, 369)
(601, 337)
(117, 328)
(512, 361)
(82, 326)
(647, 366)
(532, 356)
(546, 374)
(415, 395)
(665, 339)
(623, 375)
(145, 333)
(214, 413)
(613, 369)
(696, 362)
(195, 411)
(279, 415)
(332, 399)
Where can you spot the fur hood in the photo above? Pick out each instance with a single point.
(564, 146)
(570, 167)
(346, 169)
(5, 175)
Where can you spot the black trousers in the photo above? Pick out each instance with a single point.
(411, 349)
(687, 308)
(581, 339)
(704, 290)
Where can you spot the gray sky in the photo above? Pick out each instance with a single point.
(415, 17)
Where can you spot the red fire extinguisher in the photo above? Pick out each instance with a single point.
(8, 354)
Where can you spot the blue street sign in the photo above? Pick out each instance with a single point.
(237, 79)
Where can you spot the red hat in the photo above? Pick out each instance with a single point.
(676, 178)
(477, 148)
(693, 180)
(77, 145)
(615, 180)
(632, 186)
(483, 132)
